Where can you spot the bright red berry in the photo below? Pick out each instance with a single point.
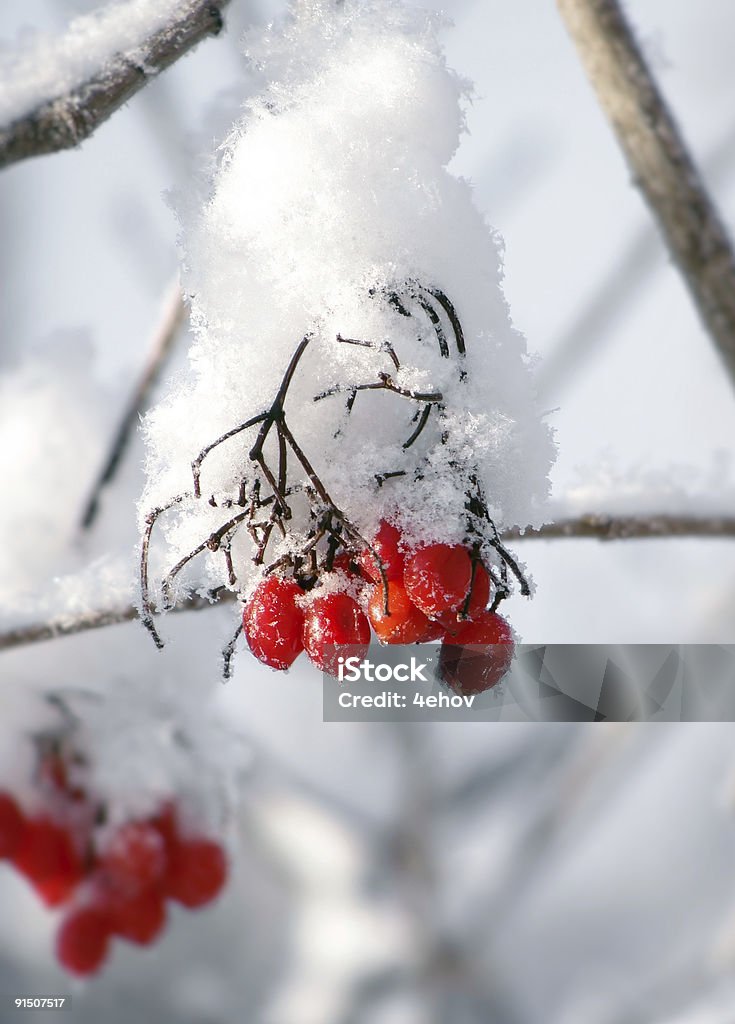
(135, 857)
(404, 623)
(273, 622)
(83, 940)
(479, 598)
(334, 627)
(197, 872)
(386, 545)
(477, 655)
(437, 578)
(12, 825)
(346, 563)
(49, 859)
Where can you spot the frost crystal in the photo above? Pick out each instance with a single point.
(333, 217)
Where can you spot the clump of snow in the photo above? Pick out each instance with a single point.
(44, 67)
(331, 196)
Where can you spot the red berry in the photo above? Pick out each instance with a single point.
(166, 825)
(404, 623)
(11, 825)
(334, 627)
(437, 578)
(48, 857)
(139, 918)
(135, 857)
(83, 940)
(477, 655)
(197, 872)
(272, 622)
(386, 546)
(479, 599)
(346, 563)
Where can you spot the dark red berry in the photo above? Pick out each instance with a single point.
(83, 940)
(48, 857)
(334, 627)
(437, 578)
(404, 623)
(477, 655)
(197, 872)
(386, 545)
(273, 622)
(135, 857)
(12, 825)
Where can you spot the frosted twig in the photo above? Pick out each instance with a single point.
(602, 527)
(174, 313)
(660, 162)
(65, 120)
(51, 629)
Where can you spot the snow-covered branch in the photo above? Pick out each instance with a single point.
(602, 527)
(659, 161)
(599, 527)
(172, 318)
(57, 93)
(113, 615)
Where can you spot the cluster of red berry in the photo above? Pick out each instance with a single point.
(408, 596)
(119, 889)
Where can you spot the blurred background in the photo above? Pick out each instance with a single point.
(564, 873)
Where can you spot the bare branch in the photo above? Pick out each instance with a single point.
(660, 162)
(174, 313)
(63, 121)
(601, 527)
(589, 526)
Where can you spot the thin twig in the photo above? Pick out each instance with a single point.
(590, 526)
(65, 120)
(660, 162)
(174, 313)
(601, 527)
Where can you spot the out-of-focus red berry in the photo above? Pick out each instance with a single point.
(135, 857)
(83, 940)
(49, 859)
(404, 623)
(197, 872)
(12, 825)
(477, 655)
(273, 622)
(139, 918)
(386, 546)
(437, 578)
(334, 627)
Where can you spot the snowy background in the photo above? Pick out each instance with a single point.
(559, 873)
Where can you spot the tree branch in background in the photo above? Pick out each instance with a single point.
(601, 527)
(174, 314)
(661, 165)
(63, 121)
(585, 527)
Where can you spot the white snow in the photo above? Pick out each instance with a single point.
(333, 186)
